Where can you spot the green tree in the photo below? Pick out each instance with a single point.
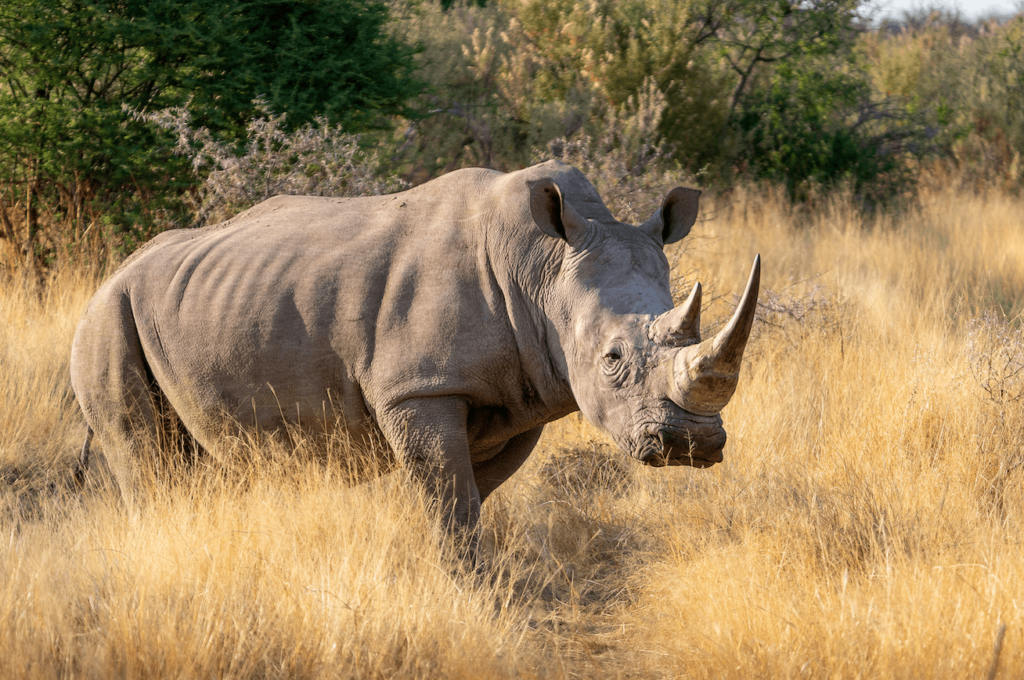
(815, 123)
(803, 110)
(749, 35)
(71, 155)
(306, 58)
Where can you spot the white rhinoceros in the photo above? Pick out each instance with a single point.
(452, 320)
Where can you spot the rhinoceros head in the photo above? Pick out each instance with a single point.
(638, 367)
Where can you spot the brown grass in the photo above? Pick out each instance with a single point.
(867, 521)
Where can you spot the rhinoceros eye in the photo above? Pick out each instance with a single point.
(613, 364)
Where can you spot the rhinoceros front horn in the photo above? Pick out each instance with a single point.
(704, 376)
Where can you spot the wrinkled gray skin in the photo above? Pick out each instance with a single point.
(454, 320)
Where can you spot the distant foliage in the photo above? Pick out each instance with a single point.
(640, 93)
(966, 81)
(615, 51)
(803, 105)
(512, 76)
(765, 90)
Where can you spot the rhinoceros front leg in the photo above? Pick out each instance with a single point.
(429, 436)
(490, 474)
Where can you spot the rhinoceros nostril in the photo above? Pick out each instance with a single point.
(651, 449)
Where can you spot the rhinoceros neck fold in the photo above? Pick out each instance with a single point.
(514, 257)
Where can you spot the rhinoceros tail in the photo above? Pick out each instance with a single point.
(82, 467)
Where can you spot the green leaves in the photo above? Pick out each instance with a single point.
(814, 121)
(68, 149)
(305, 57)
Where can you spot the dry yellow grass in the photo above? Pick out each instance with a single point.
(867, 521)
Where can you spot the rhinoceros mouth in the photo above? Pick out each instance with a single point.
(693, 440)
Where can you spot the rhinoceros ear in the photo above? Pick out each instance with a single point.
(672, 221)
(553, 215)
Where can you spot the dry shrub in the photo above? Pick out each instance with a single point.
(995, 358)
(313, 160)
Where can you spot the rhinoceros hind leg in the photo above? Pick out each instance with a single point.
(111, 380)
(127, 439)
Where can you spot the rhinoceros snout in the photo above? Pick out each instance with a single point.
(696, 452)
(673, 446)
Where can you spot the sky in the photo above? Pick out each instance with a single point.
(971, 9)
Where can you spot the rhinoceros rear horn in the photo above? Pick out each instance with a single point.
(553, 215)
(680, 326)
(704, 376)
